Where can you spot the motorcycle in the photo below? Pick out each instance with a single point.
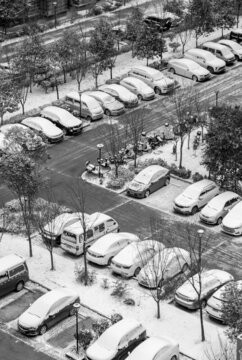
(92, 169)
(104, 163)
(154, 141)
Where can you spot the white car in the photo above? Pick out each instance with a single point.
(121, 94)
(211, 281)
(163, 266)
(109, 245)
(47, 311)
(232, 222)
(215, 302)
(110, 105)
(63, 119)
(234, 47)
(188, 68)
(138, 87)
(45, 127)
(156, 348)
(129, 261)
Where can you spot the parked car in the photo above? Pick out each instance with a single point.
(120, 93)
(236, 35)
(110, 105)
(216, 301)
(14, 273)
(148, 180)
(206, 59)
(160, 83)
(138, 87)
(195, 196)
(129, 261)
(90, 108)
(117, 341)
(211, 280)
(165, 265)
(233, 46)
(232, 222)
(68, 123)
(45, 127)
(161, 24)
(218, 207)
(156, 348)
(188, 68)
(47, 311)
(109, 245)
(221, 51)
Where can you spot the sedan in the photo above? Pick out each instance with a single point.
(148, 180)
(218, 207)
(45, 127)
(211, 280)
(189, 69)
(121, 94)
(109, 245)
(48, 310)
(233, 46)
(163, 266)
(129, 261)
(110, 105)
(138, 87)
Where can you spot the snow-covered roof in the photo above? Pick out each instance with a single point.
(7, 262)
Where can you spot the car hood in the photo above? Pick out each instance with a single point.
(149, 276)
(184, 200)
(29, 320)
(209, 212)
(216, 62)
(137, 186)
(71, 122)
(129, 97)
(115, 105)
(200, 71)
(97, 352)
(233, 219)
(53, 131)
(164, 82)
(187, 290)
(215, 303)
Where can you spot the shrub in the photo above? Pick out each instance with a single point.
(119, 289)
(107, 6)
(183, 172)
(97, 10)
(85, 337)
(79, 272)
(100, 326)
(105, 283)
(197, 177)
(115, 318)
(129, 301)
(115, 184)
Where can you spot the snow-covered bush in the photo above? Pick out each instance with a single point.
(105, 283)
(129, 301)
(99, 326)
(115, 318)
(79, 272)
(119, 289)
(196, 177)
(85, 337)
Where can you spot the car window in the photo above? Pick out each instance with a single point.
(203, 192)
(57, 306)
(3, 278)
(16, 270)
(219, 52)
(89, 233)
(101, 227)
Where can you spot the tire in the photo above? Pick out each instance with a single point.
(194, 78)
(19, 286)
(89, 118)
(210, 69)
(43, 330)
(107, 112)
(58, 240)
(167, 182)
(172, 70)
(72, 311)
(204, 304)
(147, 194)
(174, 357)
(194, 210)
(64, 132)
(140, 97)
(157, 91)
(236, 57)
(136, 273)
(185, 267)
(219, 221)
(110, 260)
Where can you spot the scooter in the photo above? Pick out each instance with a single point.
(92, 169)
(104, 163)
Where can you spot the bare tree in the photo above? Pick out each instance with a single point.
(226, 351)
(134, 124)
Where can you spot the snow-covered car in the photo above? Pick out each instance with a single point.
(110, 105)
(206, 59)
(129, 261)
(68, 123)
(232, 222)
(216, 301)
(117, 341)
(109, 245)
(45, 127)
(160, 83)
(163, 266)
(120, 93)
(195, 196)
(148, 180)
(234, 47)
(218, 207)
(211, 281)
(89, 107)
(138, 87)
(47, 311)
(156, 348)
(189, 69)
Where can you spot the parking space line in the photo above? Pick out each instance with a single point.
(118, 205)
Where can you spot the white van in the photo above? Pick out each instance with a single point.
(221, 51)
(206, 59)
(232, 222)
(90, 107)
(97, 225)
(117, 341)
(154, 78)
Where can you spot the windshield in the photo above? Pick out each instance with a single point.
(236, 46)
(226, 51)
(108, 98)
(38, 309)
(191, 193)
(143, 178)
(158, 76)
(107, 341)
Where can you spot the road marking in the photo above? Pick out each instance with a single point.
(214, 248)
(117, 206)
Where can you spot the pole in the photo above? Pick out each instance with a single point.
(216, 94)
(77, 343)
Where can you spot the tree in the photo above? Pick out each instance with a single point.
(10, 11)
(134, 24)
(134, 126)
(8, 96)
(222, 154)
(237, 7)
(224, 14)
(176, 7)
(184, 31)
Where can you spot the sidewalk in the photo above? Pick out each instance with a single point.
(179, 324)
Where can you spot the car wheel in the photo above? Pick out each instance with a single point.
(194, 78)
(89, 118)
(174, 357)
(219, 220)
(236, 57)
(210, 69)
(72, 311)
(43, 330)
(167, 182)
(136, 273)
(194, 210)
(58, 240)
(204, 303)
(185, 268)
(140, 97)
(64, 132)
(147, 194)
(157, 91)
(107, 112)
(172, 70)
(19, 286)
(110, 260)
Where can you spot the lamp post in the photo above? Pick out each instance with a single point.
(99, 146)
(26, 215)
(200, 235)
(55, 8)
(76, 307)
(216, 95)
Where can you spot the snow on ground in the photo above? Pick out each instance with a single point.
(179, 324)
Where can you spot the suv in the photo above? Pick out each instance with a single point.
(159, 23)
(236, 35)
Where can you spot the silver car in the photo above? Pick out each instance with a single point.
(121, 94)
(44, 126)
(110, 105)
(189, 69)
(138, 87)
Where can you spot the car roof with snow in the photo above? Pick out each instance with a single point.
(9, 261)
(107, 240)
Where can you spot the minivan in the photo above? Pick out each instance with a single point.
(117, 341)
(154, 78)
(221, 51)
(97, 225)
(90, 108)
(236, 35)
(206, 59)
(232, 222)
(13, 273)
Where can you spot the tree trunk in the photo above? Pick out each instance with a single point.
(158, 309)
(96, 83)
(80, 109)
(85, 260)
(201, 321)
(57, 89)
(111, 72)
(116, 170)
(196, 37)
(64, 75)
(1, 119)
(52, 259)
(181, 147)
(147, 61)
(135, 157)
(22, 105)
(183, 49)
(188, 140)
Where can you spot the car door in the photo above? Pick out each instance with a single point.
(58, 312)
(5, 284)
(211, 192)
(51, 317)
(181, 69)
(202, 198)
(84, 110)
(153, 186)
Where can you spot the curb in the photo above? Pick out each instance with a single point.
(181, 179)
